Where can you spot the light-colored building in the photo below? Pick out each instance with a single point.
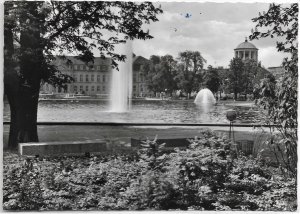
(140, 88)
(94, 79)
(246, 50)
(89, 79)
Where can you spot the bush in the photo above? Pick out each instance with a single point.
(209, 175)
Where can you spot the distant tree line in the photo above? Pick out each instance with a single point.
(166, 74)
(244, 76)
(186, 74)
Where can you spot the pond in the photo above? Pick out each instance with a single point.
(142, 111)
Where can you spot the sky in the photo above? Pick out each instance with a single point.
(213, 29)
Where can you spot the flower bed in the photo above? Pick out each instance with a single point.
(209, 175)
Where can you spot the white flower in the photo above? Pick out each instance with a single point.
(204, 189)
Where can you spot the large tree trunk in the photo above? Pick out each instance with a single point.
(22, 78)
(11, 92)
(27, 118)
(11, 79)
(31, 67)
(23, 114)
(23, 108)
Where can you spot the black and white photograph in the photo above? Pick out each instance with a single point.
(150, 106)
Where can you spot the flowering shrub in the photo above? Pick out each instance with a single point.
(209, 175)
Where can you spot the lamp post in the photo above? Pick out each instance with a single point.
(231, 116)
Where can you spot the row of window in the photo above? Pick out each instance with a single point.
(91, 88)
(88, 88)
(102, 78)
(79, 88)
(135, 88)
(102, 68)
(90, 78)
(136, 77)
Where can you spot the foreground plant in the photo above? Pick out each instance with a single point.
(209, 175)
(280, 99)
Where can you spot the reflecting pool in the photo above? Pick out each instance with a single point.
(142, 111)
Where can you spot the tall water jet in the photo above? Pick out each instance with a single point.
(121, 82)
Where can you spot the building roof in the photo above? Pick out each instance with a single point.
(139, 59)
(75, 60)
(246, 45)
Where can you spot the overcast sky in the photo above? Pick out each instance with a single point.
(214, 29)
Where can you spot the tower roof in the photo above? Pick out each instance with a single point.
(246, 45)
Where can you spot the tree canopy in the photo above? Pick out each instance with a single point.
(166, 74)
(161, 74)
(281, 99)
(212, 79)
(235, 78)
(79, 27)
(189, 74)
(282, 22)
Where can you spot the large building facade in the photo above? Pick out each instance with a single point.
(89, 79)
(94, 79)
(139, 86)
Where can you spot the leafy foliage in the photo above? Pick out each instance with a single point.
(152, 153)
(161, 73)
(280, 21)
(209, 175)
(80, 27)
(235, 76)
(165, 74)
(280, 99)
(189, 70)
(244, 75)
(212, 79)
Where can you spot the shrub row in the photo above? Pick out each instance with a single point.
(209, 175)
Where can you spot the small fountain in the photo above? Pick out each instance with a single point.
(204, 100)
(121, 82)
(205, 96)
